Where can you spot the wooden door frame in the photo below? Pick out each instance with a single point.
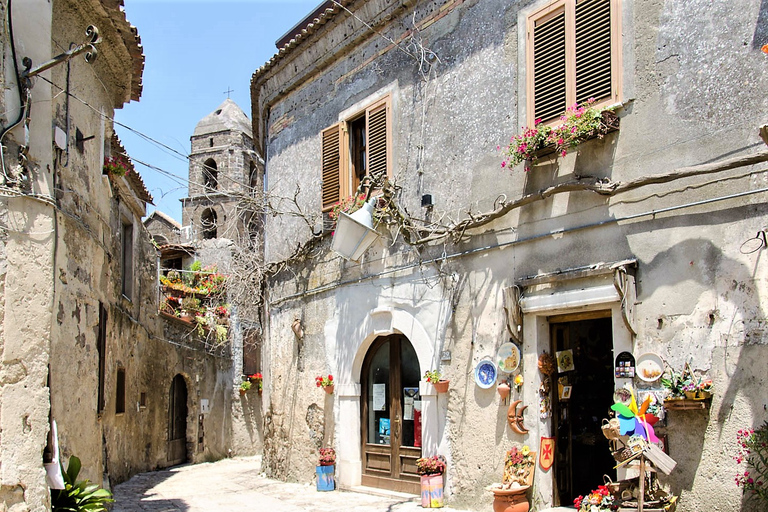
(397, 480)
(172, 405)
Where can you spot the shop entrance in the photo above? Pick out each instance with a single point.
(581, 398)
(390, 405)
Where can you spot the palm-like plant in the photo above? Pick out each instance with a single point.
(82, 496)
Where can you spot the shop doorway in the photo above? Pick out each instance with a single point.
(390, 407)
(177, 422)
(581, 398)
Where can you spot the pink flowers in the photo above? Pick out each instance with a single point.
(753, 451)
(577, 123)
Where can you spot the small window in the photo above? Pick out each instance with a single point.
(208, 224)
(364, 140)
(120, 392)
(126, 241)
(573, 55)
(211, 142)
(210, 175)
(142, 399)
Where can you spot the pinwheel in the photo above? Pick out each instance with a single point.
(634, 421)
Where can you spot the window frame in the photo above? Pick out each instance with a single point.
(548, 10)
(126, 258)
(348, 181)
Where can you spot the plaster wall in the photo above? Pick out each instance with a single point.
(689, 97)
(26, 292)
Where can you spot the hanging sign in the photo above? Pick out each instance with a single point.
(625, 366)
(546, 453)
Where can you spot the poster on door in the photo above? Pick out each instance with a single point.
(410, 396)
(379, 397)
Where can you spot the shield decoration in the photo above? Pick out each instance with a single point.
(546, 453)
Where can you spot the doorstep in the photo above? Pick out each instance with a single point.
(375, 491)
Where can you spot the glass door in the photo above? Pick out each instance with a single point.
(391, 415)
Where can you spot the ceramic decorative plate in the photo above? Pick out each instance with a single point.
(485, 374)
(508, 357)
(649, 367)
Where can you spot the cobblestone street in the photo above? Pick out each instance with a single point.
(235, 485)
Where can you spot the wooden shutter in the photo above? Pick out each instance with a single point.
(378, 125)
(593, 49)
(331, 185)
(549, 66)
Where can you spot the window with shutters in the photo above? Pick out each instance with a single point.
(354, 148)
(572, 55)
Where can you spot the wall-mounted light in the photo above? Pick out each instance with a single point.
(354, 233)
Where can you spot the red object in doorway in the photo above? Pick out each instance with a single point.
(417, 428)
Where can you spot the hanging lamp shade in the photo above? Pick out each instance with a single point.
(354, 233)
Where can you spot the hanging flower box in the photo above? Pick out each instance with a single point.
(578, 124)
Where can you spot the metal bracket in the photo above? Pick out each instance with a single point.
(92, 33)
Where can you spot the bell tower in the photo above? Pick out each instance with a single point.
(222, 168)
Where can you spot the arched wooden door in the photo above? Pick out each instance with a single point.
(391, 415)
(177, 421)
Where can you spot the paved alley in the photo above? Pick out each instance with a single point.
(235, 485)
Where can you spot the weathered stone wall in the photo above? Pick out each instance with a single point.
(26, 293)
(690, 93)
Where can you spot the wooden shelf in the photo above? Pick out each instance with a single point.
(687, 404)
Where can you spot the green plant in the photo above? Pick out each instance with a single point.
(190, 305)
(432, 376)
(324, 382)
(221, 334)
(245, 385)
(257, 379)
(675, 381)
(753, 452)
(79, 496)
(116, 166)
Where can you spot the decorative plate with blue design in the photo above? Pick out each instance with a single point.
(485, 373)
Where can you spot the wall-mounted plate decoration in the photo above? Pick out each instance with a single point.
(508, 357)
(650, 367)
(485, 374)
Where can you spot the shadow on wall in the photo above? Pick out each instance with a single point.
(739, 354)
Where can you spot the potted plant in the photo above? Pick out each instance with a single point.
(519, 465)
(325, 382)
(257, 380)
(78, 496)
(431, 470)
(433, 377)
(599, 500)
(244, 387)
(190, 307)
(325, 470)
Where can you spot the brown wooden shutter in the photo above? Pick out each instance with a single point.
(549, 85)
(593, 49)
(378, 143)
(331, 168)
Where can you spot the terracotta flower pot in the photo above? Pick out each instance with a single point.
(442, 386)
(503, 390)
(510, 500)
(328, 389)
(242, 392)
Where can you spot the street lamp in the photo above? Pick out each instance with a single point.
(355, 233)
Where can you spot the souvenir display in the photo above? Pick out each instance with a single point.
(508, 357)
(485, 374)
(625, 366)
(564, 361)
(515, 417)
(545, 404)
(649, 367)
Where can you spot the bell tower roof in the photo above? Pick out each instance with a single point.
(228, 116)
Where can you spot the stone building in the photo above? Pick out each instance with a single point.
(81, 343)
(642, 241)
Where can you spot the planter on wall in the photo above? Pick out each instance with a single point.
(442, 386)
(328, 389)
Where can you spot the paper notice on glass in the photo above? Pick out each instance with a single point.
(379, 397)
(409, 396)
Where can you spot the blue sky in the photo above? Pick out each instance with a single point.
(195, 51)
